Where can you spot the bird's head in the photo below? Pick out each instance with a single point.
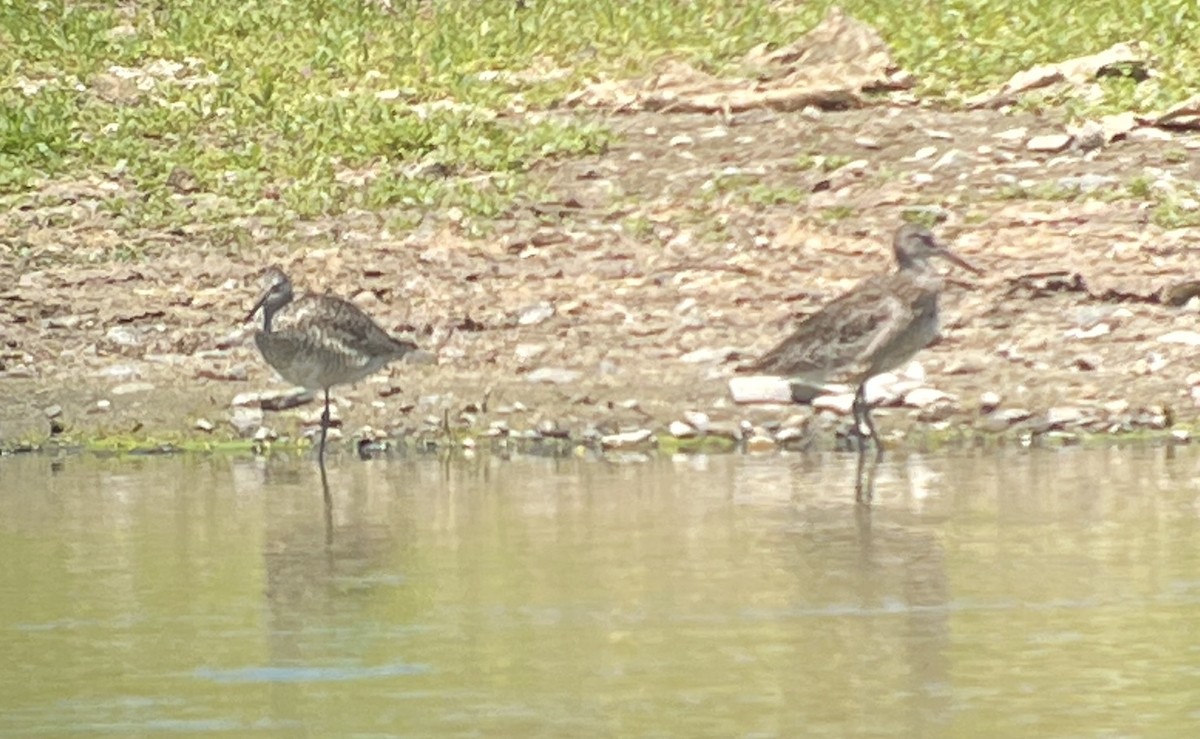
(915, 245)
(276, 293)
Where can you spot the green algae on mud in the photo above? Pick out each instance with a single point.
(920, 441)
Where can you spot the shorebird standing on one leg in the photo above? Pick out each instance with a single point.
(875, 327)
(318, 341)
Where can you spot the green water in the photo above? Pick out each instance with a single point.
(1052, 593)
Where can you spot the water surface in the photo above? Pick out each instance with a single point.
(1013, 593)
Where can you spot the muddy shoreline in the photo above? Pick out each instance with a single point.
(621, 303)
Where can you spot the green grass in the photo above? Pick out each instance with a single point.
(300, 109)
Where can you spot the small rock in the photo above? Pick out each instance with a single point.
(203, 424)
(1012, 135)
(1063, 416)
(497, 428)
(989, 402)
(119, 372)
(246, 420)
(52, 411)
(867, 142)
(532, 315)
(949, 159)
(61, 322)
(626, 439)
(1086, 362)
(1151, 363)
(103, 405)
(924, 396)
(681, 140)
(937, 411)
(550, 429)
(554, 375)
(760, 444)
(123, 336)
(1089, 135)
(681, 430)
(529, 352)
(1089, 182)
(840, 404)
(789, 434)
(698, 420)
(1099, 329)
(1010, 416)
(924, 152)
(1116, 407)
(129, 388)
(708, 354)
(1050, 143)
(725, 429)
(1189, 338)
(760, 389)
(1181, 436)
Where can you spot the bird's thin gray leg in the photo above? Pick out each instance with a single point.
(862, 417)
(324, 430)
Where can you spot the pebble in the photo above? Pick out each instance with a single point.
(989, 402)
(1183, 436)
(1089, 182)
(119, 372)
(923, 397)
(554, 375)
(760, 444)
(867, 142)
(681, 140)
(760, 389)
(924, 152)
(1012, 134)
(725, 429)
(789, 433)
(123, 336)
(1062, 416)
(550, 429)
(1096, 331)
(697, 419)
(938, 411)
(532, 315)
(62, 322)
(681, 430)
(1012, 415)
(246, 420)
(52, 411)
(1116, 407)
(949, 159)
(626, 439)
(529, 352)
(203, 424)
(708, 354)
(130, 388)
(841, 403)
(1189, 338)
(1052, 143)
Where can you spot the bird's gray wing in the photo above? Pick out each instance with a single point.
(345, 328)
(840, 337)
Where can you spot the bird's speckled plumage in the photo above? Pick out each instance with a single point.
(875, 327)
(318, 341)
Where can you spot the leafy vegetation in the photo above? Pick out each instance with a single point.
(300, 108)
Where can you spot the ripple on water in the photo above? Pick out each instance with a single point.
(308, 673)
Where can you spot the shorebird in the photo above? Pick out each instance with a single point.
(318, 341)
(875, 327)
